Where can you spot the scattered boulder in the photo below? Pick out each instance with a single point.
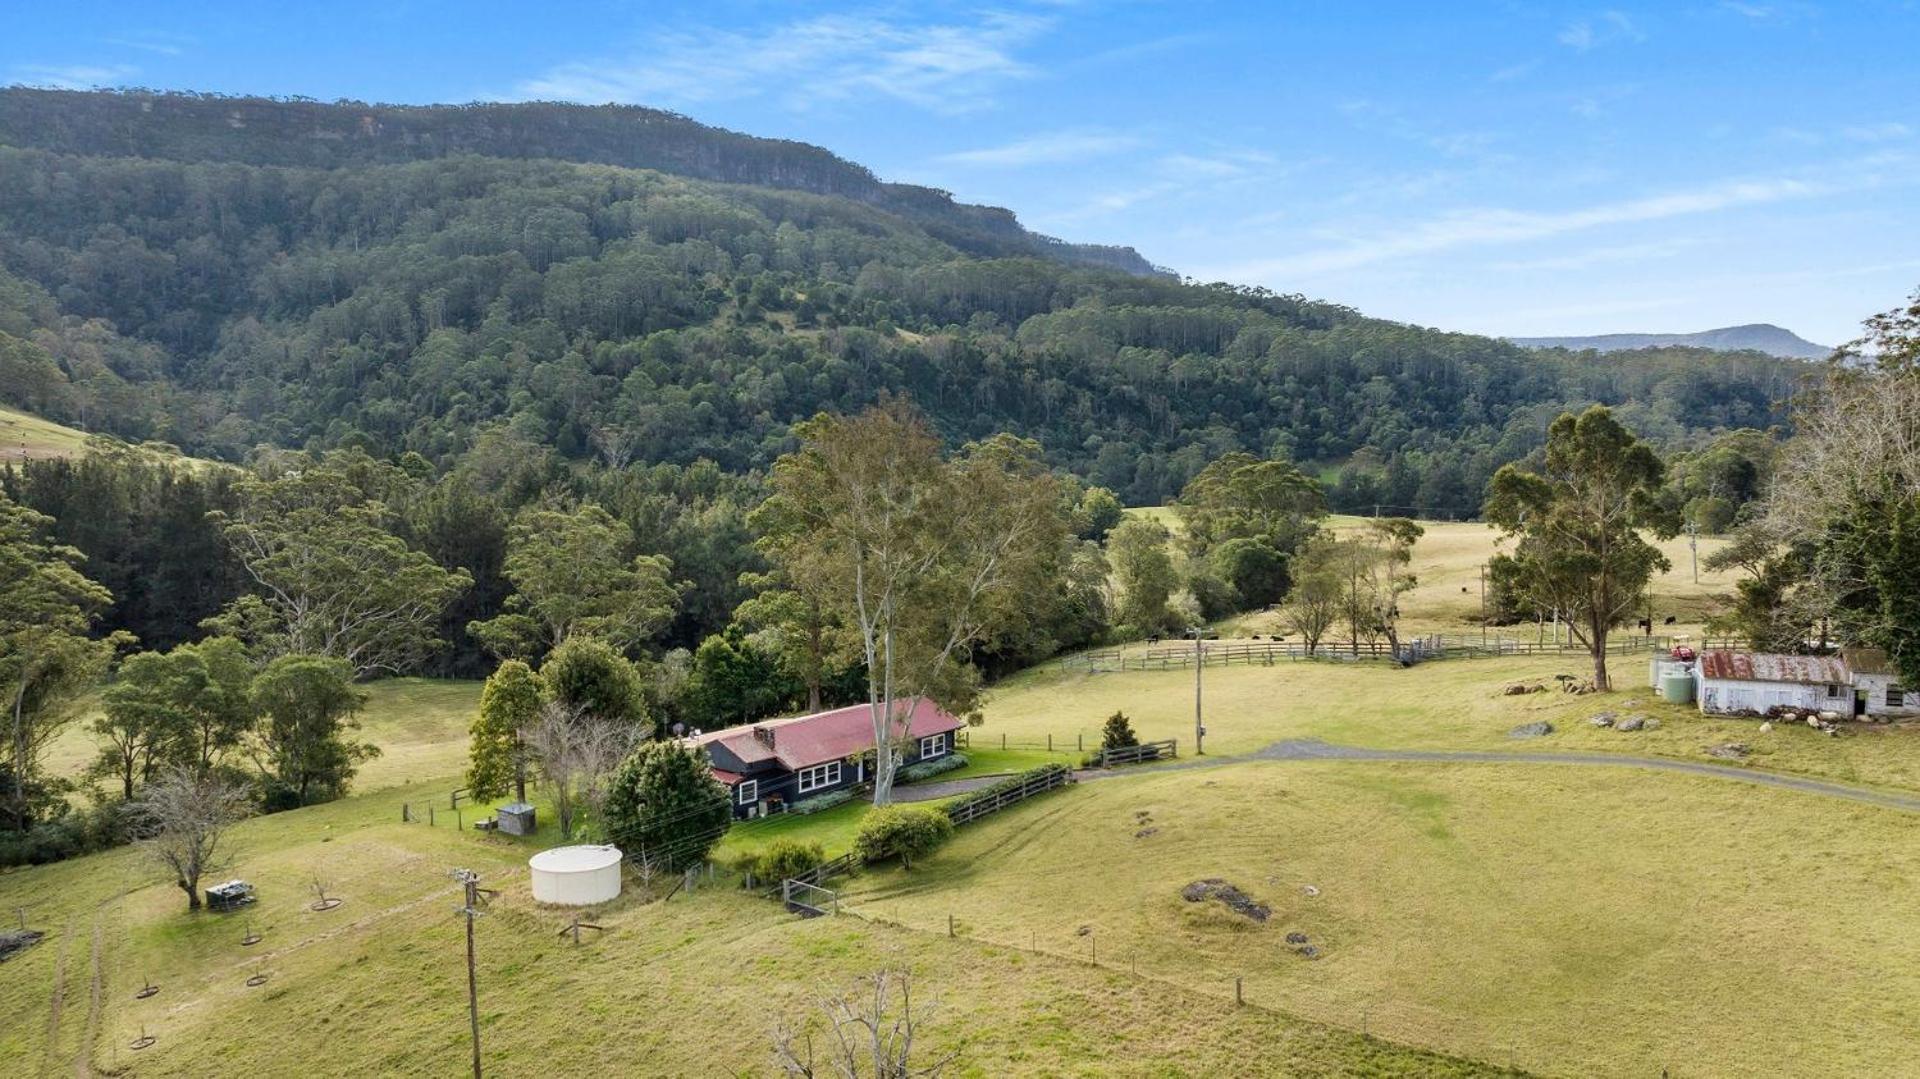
(1296, 938)
(1531, 730)
(1601, 719)
(1830, 716)
(1651, 724)
(1766, 728)
(1730, 751)
(14, 941)
(1631, 723)
(1307, 951)
(1083, 931)
(1813, 721)
(1235, 900)
(1519, 689)
(1309, 890)
(1145, 832)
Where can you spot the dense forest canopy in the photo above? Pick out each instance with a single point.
(226, 273)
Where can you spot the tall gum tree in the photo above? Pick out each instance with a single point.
(923, 557)
(1578, 522)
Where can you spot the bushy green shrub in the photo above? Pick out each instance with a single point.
(913, 773)
(1118, 733)
(908, 832)
(822, 801)
(786, 858)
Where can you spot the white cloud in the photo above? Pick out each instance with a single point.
(161, 42)
(74, 76)
(1597, 256)
(946, 67)
(1887, 132)
(1496, 226)
(1604, 29)
(1515, 71)
(1048, 149)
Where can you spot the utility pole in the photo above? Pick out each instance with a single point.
(1199, 727)
(1693, 545)
(471, 881)
(1483, 604)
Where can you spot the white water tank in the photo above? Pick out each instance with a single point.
(576, 876)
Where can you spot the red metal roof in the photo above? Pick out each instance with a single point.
(729, 778)
(1771, 667)
(802, 741)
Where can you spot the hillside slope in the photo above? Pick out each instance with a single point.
(219, 275)
(1754, 337)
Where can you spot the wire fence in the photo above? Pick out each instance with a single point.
(1164, 657)
(1250, 984)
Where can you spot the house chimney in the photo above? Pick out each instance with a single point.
(764, 735)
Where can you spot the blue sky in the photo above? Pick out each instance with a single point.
(1507, 168)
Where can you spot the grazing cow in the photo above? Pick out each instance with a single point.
(1671, 620)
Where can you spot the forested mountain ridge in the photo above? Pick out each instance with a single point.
(636, 315)
(330, 135)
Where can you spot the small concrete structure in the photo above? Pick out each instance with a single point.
(578, 876)
(515, 818)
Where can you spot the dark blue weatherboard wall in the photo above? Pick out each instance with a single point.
(776, 780)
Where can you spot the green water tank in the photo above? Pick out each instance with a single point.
(1676, 688)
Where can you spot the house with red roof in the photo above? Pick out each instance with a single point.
(769, 766)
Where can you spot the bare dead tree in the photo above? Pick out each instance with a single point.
(185, 814)
(873, 1028)
(615, 444)
(575, 752)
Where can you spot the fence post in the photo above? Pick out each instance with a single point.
(1003, 739)
(949, 925)
(1080, 743)
(430, 821)
(1049, 743)
(1238, 997)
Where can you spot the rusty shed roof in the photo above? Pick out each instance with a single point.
(1773, 667)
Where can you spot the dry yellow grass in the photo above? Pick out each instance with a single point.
(1590, 924)
(692, 986)
(1447, 562)
(23, 436)
(1452, 704)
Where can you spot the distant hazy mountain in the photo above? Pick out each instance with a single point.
(1759, 337)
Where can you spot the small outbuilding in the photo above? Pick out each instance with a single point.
(515, 818)
(1876, 686)
(1755, 682)
(577, 876)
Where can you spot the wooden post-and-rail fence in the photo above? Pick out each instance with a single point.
(1145, 751)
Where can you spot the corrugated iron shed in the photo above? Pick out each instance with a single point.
(1773, 667)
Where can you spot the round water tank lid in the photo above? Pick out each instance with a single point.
(576, 859)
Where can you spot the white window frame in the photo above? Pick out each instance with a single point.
(939, 746)
(819, 776)
(747, 791)
(1835, 692)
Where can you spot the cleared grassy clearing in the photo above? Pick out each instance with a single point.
(1591, 924)
(691, 986)
(23, 435)
(1454, 704)
(1447, 561)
